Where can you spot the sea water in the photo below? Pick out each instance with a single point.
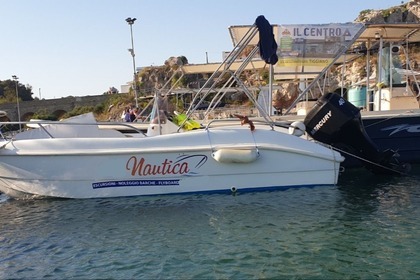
(366, 227)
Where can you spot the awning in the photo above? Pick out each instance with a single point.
(391, 32)
(398, 32)
(212, 67)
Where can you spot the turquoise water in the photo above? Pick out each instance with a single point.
(366, 227)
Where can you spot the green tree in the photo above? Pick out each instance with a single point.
(8, 91)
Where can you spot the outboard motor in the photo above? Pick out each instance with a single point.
(337, 122)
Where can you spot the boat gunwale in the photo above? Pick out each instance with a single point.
(151, 150)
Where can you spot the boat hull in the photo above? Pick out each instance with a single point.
(398, 132)
(167, 164)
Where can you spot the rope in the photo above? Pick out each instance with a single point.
(368, 161)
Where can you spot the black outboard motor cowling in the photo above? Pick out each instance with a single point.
(337, 122)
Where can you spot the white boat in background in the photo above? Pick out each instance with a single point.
(79, 159)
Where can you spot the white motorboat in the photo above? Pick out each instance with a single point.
(78, 159)
(215, 159)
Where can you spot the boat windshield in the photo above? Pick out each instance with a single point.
(160, 118)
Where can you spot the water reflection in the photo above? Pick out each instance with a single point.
(366, 193)
(364, 226)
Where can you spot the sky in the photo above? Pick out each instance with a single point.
(80, 47)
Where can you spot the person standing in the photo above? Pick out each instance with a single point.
(127, 116)
(133, 114)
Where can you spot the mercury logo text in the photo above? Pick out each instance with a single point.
(321, 122)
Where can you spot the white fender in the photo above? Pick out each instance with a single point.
(236, 155)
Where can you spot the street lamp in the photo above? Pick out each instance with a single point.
(130, 22)
(17, 99)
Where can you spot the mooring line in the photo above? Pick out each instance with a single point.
(368, 161)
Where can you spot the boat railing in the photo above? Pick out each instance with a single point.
(226, 70)
(227, 122)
